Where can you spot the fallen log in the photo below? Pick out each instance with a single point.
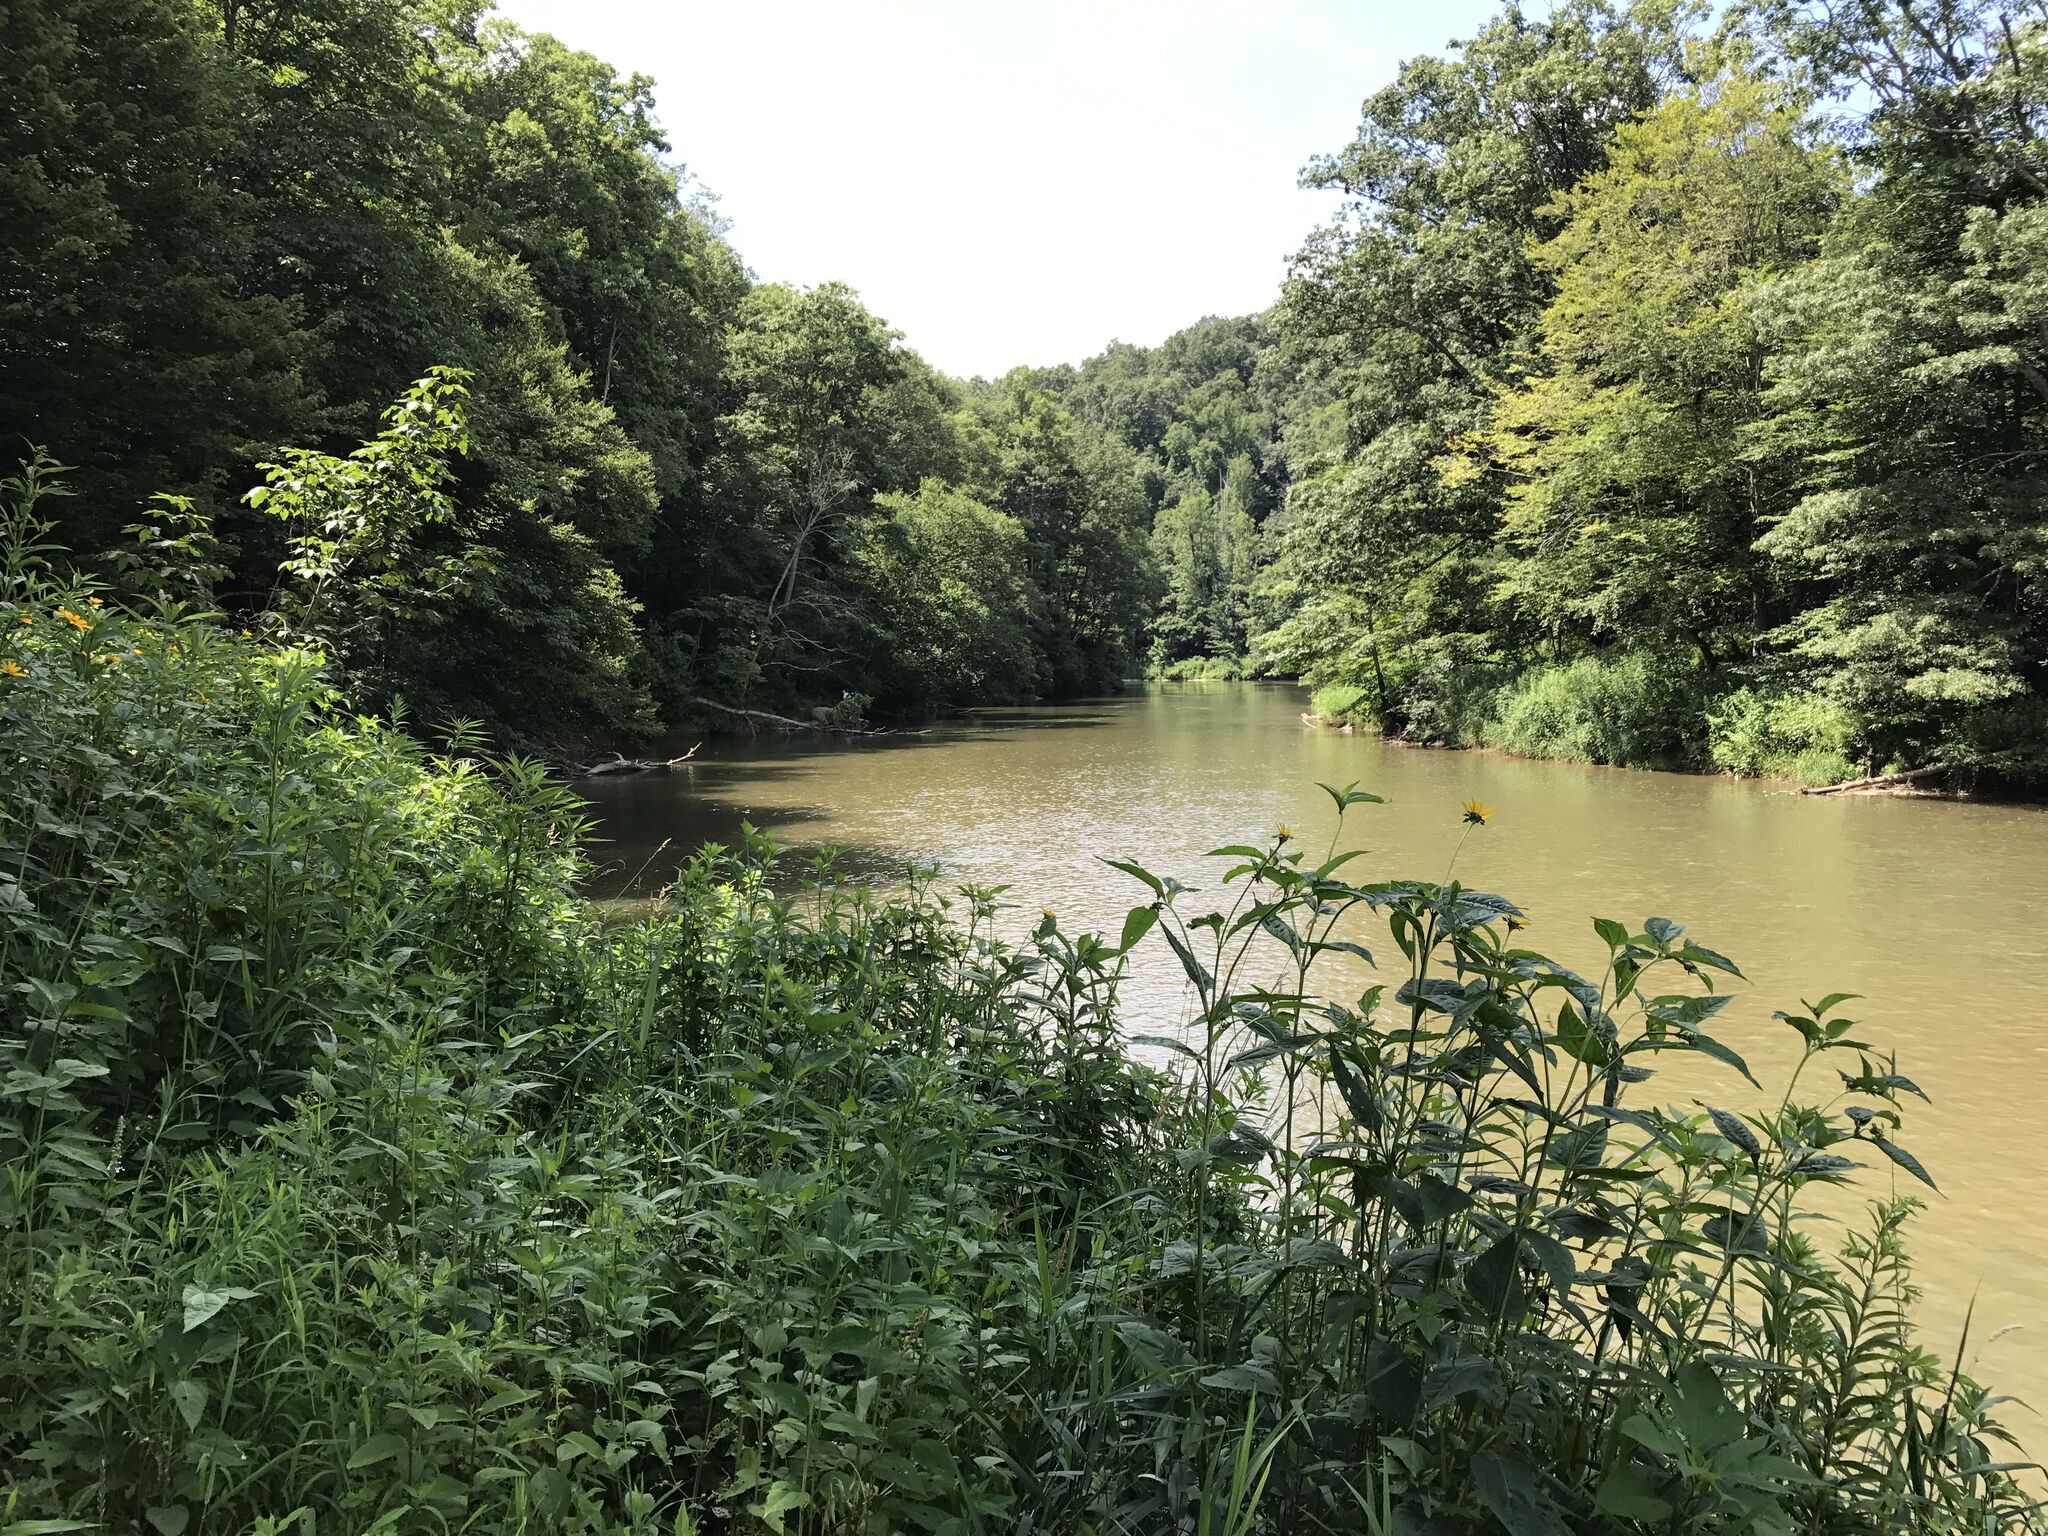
(790, 723)
(623, 764)
(1878, 781)
(787, 722)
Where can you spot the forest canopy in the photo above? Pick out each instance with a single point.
(1670, 390)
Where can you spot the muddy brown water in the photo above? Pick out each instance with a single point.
(1936, 912)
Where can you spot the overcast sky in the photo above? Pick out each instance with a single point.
(1013, 182)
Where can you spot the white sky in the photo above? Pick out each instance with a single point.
(1013, 181)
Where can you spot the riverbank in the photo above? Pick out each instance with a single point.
(1914, 783)
(1634, 712)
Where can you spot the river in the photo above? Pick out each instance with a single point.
(1936, 912)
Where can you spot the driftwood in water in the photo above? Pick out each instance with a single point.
(622, 764)
(787, 722)
(791, 723)
(1878, 781)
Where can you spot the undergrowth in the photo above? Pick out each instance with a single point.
(359, 1176)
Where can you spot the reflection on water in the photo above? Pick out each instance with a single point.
(1932, 911)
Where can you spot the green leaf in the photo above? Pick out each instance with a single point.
(1494, 1279)
(782, 1498)
(1905, 1160)
(510, 1397)
(1627, 1493)
(1468, 1376)
(1733, 1128)
(170, 1519)
(378, 1448)
(1136, 872)
(1197, 972)
(1511, 1490)
(190, 1397)
(1737, 1231)
(1248, 1377)
(1137, 923)
(201, 1305)
(1701, 1408)
(1580, 1039)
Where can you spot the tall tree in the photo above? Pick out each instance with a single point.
(130, 345)
(1634, 490)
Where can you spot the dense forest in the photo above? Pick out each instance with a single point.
(233, 236)
(1667, 392)
(1663, 396)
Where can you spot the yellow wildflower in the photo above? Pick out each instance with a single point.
(1478, 814)
(1048, 914)
(246, 635)
(13, 669)
(95, 602)
(23, 618)
(73, 620)
(1284, 832)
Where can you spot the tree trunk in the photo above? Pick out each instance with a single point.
(1878, 781)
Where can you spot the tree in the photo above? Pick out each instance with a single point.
(1401, 316)
(130, 347)
(942, 592)
(1634, 492)
(1078, 495)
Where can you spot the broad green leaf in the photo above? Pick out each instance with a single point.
(190, 1398)
(376, 1449)
(201, 1305)
(1513, 1492)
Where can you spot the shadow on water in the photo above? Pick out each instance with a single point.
(649, 825)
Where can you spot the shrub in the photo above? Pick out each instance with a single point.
(850, 713)
(1634, 710)
(1344, 703)
(1755, 732)
(1203, 669)
(1453, 690)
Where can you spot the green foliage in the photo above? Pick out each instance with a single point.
(1633, 710)
(1755, 732)
(1625, 342)
(941, 581)
(1630, 505)
(1343, 702)
(1078, 495)
(669, 470)
(1203, 669)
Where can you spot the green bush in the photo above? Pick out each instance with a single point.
(1203, 669)
(1453, 691)
(1757, 733)
(1633, 710)
(1343, 703)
